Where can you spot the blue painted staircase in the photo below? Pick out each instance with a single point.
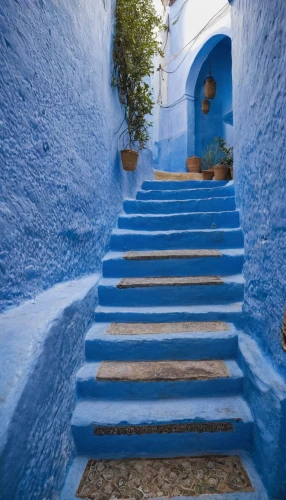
(186, 236)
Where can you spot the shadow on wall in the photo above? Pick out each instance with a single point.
(213, 124)
(62, 184)
(214, 56)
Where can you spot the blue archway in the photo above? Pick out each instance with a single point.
(216, 52)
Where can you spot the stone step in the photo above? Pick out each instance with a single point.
(153, 477)
(231, 313)
(185, 194)
(165, 328)
(175, 185)
(124, 240)
(123, 380)
(134, 428)
(168, 281)
(160, 175)
(233, 476)
(164, 291)
(161, 370)
(195, 220)
(160, 341)
(171, 254)
(172, 263)
(179, 206)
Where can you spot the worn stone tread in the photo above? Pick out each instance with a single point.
(162, 370)
(163, 477)
(171, 254)
(178, 428)
(169, 281)
(166, 328)
(177, 176)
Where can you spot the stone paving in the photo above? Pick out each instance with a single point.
(162, 370)
(171, 254)
(169, 281)
(161, 328)
(153, 478)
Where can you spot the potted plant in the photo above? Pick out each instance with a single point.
(194, 164)
(211, 156)
(221, 170)
(135, 44)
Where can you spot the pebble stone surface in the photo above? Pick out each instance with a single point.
(162, 370)
(171, 254)
(157, 328)
(143, 478)
(169, 281)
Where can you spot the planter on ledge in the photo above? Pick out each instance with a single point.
(221, 172)
(129, 159)
(194, 164)
(207, 175)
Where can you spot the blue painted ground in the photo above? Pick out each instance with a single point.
(166, 216)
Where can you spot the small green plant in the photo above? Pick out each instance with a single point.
(211, 156)
(227, 153)
(135, 44)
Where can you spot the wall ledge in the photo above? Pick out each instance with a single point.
(41, 349)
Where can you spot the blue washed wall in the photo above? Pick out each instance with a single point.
(212, 124)
(41, 349)
(61, 180)
(259, 61)
(175, 130)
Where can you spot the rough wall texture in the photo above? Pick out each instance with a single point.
(61, 180)
(174, 137)
(259, 59)
(41, 349)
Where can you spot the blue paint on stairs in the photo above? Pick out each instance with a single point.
(231, 313)
(192, 220)
(185, 194)
(168, 215)
(115, 265)
(175, 185)
(230, 290)
(179, 206)
(155, 347)
(168, 240)
(90, 414)
(88, 387)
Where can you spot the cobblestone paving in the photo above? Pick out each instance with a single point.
(153, 478)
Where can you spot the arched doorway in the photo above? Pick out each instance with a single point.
(217, 122)
(214, 56)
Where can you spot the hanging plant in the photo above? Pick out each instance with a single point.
(135, 44)
(210, 87)
(205, 106)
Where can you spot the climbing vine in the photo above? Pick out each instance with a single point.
(135, 44)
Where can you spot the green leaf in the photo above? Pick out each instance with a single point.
(135, 44)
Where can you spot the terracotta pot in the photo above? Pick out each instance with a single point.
(208, 175)
(206, 106)
(194, 164)
(129, 159)
(210, 88)
(221, 172)
(231, 172)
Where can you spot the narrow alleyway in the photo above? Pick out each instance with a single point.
(161, 377)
